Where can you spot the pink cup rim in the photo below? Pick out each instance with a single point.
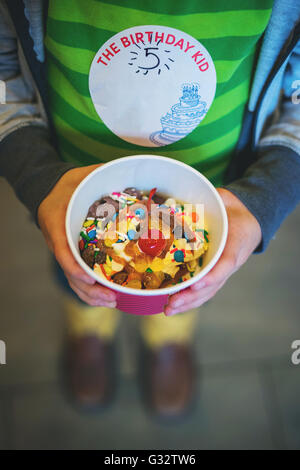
(145, 292)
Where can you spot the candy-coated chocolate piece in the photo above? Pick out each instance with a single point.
(131, 234)
(179, 256)
(140, 213)
(92, 234)
(88, 223)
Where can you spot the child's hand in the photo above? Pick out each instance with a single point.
(244, 235)
(51, 218)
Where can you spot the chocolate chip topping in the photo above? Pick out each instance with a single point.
(120, 278)
(93, 209)
(100, 257)
(88, 256)
(158, 199)
(134, 192)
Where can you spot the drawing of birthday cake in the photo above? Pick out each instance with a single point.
(183, 118)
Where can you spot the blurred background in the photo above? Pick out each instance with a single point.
(248, 388)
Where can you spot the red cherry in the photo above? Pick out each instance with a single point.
(152, 243)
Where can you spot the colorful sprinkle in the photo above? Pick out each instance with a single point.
(133, 217)
(204, 233)
(84, 236)
(195, 217)
(103, 270)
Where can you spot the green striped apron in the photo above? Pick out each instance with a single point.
(230, 31)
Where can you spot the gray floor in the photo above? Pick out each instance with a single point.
(249, 392)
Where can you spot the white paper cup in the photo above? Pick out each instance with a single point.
(145, 172)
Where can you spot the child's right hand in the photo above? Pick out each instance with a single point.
(51, 218)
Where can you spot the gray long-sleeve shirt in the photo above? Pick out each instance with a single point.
(269, 185)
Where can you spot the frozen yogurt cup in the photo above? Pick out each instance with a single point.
(173, 178)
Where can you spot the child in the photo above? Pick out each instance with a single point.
(254, 48)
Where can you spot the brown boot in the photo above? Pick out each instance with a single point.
(169, 375)
(90, 354)
(90, 371)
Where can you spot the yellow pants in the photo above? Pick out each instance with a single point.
(156, 330)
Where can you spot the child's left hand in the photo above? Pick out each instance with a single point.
(244, 235)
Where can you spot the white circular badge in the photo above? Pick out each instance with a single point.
(152, 85)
